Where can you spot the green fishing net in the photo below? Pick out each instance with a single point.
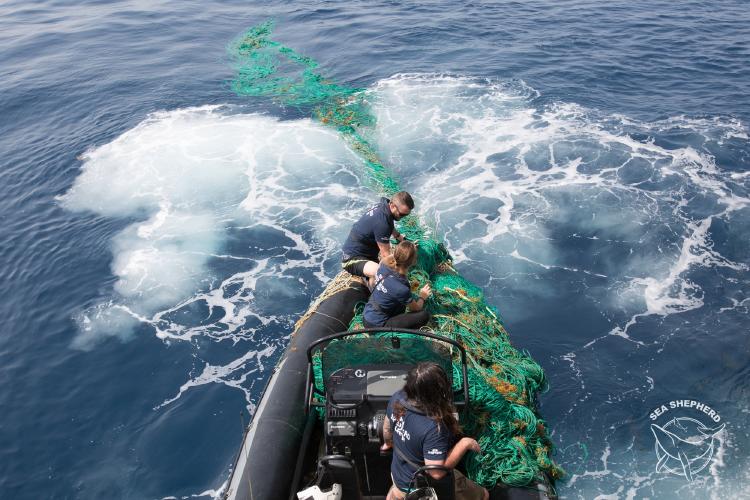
(504, 381)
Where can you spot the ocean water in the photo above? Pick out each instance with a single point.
(586, 162)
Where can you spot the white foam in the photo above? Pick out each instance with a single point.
(600, 473)
(188, 180)
(471, 122)
(214, 494)
(509, 185)
(189, 177)
(232, 374)
(498, 176)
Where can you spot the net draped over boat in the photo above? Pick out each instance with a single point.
(503, 381)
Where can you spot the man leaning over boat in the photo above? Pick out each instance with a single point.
(370, 237)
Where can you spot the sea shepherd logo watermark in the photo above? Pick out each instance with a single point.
(686, 436)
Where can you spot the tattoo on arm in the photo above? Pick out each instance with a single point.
(387, 434)
(385, 249)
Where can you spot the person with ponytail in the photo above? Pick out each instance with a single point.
(421, 427)
(391, 293)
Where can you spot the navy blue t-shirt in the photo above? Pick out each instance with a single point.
(389, 297)
(416, 436)
(375, 226)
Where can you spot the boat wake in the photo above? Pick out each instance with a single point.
(597, 236)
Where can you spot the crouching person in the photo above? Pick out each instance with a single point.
(421, 428)
(370, 237)
(391, 295)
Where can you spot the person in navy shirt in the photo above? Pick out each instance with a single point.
(370, 237)
(422, 429)
(391, 293)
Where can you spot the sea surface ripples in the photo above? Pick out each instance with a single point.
(586, 162)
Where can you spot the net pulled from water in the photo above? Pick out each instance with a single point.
(503, 381)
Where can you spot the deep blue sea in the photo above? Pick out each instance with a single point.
(588, 164)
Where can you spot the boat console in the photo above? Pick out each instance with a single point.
(356, 405)
(350, 378)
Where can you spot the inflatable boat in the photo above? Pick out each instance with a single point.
(317, 430)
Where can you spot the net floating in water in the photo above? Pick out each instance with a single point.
(504, 382)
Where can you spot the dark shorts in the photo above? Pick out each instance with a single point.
(409, 320)
(355, 266)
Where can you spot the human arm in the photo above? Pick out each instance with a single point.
(418, 305)
(384, 249)
(454, 456)
(381, 233)
(397, 235)
(387, 435)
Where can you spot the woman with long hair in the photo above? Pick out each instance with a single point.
(422, 429)
(391, 293)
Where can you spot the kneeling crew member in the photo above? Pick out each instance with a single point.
(392, 294)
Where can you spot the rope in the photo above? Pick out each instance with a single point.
(341, 282)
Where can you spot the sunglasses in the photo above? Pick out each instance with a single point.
(398, 211)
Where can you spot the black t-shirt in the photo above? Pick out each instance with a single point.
(375, 226)
(416, 436)
(389, 297)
